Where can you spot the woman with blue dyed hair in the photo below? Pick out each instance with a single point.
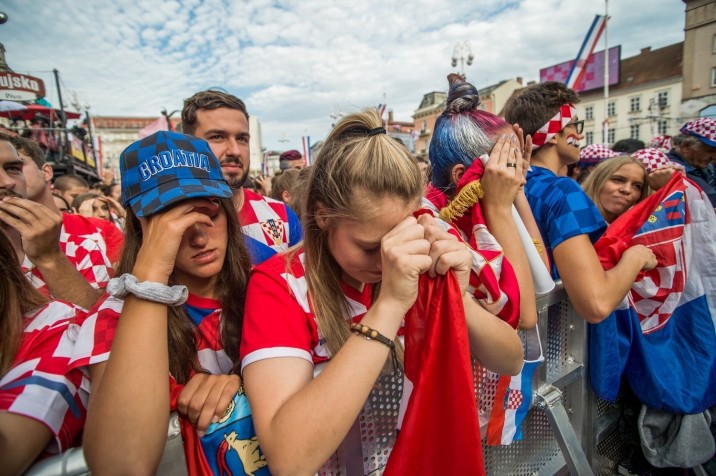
(477, 195)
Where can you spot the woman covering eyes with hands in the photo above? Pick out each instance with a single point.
(361, 258)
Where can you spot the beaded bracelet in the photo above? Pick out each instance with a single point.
(372, 334)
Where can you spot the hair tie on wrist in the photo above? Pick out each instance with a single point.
(377, 130)
(160, 293)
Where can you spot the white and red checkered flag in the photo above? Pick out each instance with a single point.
(653, 158)
(557, 123)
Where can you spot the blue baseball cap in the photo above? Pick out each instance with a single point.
(167, 167)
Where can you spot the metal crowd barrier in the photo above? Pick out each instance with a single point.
(567, 430)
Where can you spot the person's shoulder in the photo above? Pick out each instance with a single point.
(256, 197)
(545, 181)
(78, 224)
(282, 263)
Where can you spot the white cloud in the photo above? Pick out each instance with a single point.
(295, 62)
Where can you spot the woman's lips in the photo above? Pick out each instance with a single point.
(205, 256)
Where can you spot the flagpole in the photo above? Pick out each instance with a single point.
(605, 124)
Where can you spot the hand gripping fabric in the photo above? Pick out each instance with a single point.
(229, 447)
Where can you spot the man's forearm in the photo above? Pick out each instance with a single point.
(66, 283)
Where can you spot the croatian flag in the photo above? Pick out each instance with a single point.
(585, 52)
(513, 396)
(306, 141)
(265, 164)
(663, 336)
(381, 110)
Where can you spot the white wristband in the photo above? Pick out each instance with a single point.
(156, 292)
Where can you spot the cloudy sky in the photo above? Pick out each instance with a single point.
(297, 62)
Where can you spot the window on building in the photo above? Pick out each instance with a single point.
(634, 131)
(611, 109)
(662, 126)
(589, 112)
(662, 99)
(589, 138)
(611, 136)
(424, 126)
(635, 104)
(713, 49)
(713, 77)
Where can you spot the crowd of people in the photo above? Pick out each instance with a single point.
(239, 289)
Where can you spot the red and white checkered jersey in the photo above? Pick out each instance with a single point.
(278, 321)
(97, 330)
(83, 244)
(268, 225)
(113, 238)
(40, 384)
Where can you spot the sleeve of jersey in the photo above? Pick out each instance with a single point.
(92, 264)
(41, 385)
(295, 229)
(94, 339)
(571, 213)
(275, 324)
(115, 241)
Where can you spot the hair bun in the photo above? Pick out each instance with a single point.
(462, 96)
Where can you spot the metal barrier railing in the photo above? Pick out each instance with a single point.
(561, 432)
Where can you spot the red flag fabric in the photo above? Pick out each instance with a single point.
(196, 463)
(440, 432)
(159, 125)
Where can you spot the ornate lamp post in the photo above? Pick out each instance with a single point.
(461, 51)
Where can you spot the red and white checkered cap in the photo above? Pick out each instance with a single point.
(595, 153)
(661, 143)
(703, 128)
(653, 158)
(557, 123)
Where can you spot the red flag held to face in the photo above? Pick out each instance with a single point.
(440, 433)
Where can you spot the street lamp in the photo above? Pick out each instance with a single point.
(461, 51)
(168, 117)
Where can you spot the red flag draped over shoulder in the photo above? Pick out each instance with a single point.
(493, 281)
(440, 433)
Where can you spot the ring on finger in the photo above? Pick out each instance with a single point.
(511, 164)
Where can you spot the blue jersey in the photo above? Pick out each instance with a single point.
(562, 210)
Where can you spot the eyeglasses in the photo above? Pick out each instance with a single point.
(579, 125)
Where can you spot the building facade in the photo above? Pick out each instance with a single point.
(699, 87)
(644, 103)
(115, 133)
(432, 105)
